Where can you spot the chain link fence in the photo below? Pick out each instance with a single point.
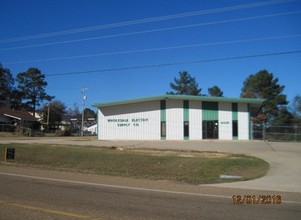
(290, 133)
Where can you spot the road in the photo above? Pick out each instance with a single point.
(53, 195)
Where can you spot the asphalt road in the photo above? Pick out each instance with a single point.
(32, 197)
(30, 193)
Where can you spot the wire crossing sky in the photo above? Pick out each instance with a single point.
(147, 20)
(140, 46)
(151, 31)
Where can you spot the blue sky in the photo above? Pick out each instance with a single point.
(67, 36)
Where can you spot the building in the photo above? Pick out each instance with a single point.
(12, 119)
(176, 117)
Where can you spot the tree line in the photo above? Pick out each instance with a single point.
(29, 93)
(274, 110)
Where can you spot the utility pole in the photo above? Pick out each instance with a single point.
(84, 102)
(48, 113)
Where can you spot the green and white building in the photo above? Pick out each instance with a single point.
(176, 117)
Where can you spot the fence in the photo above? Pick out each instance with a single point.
(7, 128)
(277, 133)
(19, 129)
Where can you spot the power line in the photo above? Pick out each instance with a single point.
(155, 49)
(147, 20)
(154, 30)
(178, 63)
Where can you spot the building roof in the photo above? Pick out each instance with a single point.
(17, 114)
(254, 101)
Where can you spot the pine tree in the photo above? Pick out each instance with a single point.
(185, 85)
(264, 85)
(6, 86)
(215, 91)
(31, 85)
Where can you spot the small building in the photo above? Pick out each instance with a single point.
(176, 117)
(11, 119)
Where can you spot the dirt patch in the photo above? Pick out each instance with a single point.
(191, 154)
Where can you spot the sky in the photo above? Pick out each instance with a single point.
(123, 49)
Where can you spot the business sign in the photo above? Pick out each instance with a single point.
(126, 122)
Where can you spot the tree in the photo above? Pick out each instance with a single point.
(31, 85)
(55, 109)
(185, 85)
(215, 91)
(89, 113)
(296, 106)
(264, 85)
(6, 86)
(283, 117)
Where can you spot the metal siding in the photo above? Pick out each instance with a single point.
(150, 130)
(174, 120)
(195, 123)
(234, 111)
(243, 121)
(131, 114)
(163, 110)
(186, 110)
(210, 111)
(225, 121)
(98, 123)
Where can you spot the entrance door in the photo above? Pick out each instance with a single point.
(210, 129)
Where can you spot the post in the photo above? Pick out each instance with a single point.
(263, 131)
(296, 127)
(84, 100)
(48, 113)
(251, 130)
(5, 152)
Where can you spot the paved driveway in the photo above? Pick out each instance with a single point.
(284, 158)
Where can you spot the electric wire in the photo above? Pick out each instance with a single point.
(177, 63)
(155, 49)
(146, 20)
(155, 30)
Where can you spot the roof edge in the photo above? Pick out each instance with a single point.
(180, 97)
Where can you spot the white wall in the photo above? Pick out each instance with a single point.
(141, 121)
(174, 120)
(138, 121)
(243, 121)
(225, 121)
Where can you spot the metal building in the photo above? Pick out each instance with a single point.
(176, 117)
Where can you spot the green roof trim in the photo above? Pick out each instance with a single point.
(181, 97)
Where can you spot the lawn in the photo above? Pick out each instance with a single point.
(186, 166)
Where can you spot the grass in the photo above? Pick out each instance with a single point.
(192, 167)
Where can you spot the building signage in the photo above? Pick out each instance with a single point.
(126, 122)
(225, 122)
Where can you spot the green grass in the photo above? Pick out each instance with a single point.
(192, 167)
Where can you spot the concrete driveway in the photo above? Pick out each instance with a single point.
(284, 158)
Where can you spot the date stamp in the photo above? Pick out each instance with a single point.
(256, 199)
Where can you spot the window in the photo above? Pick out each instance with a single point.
(186, 128)
(235, 128)
(163, 129)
